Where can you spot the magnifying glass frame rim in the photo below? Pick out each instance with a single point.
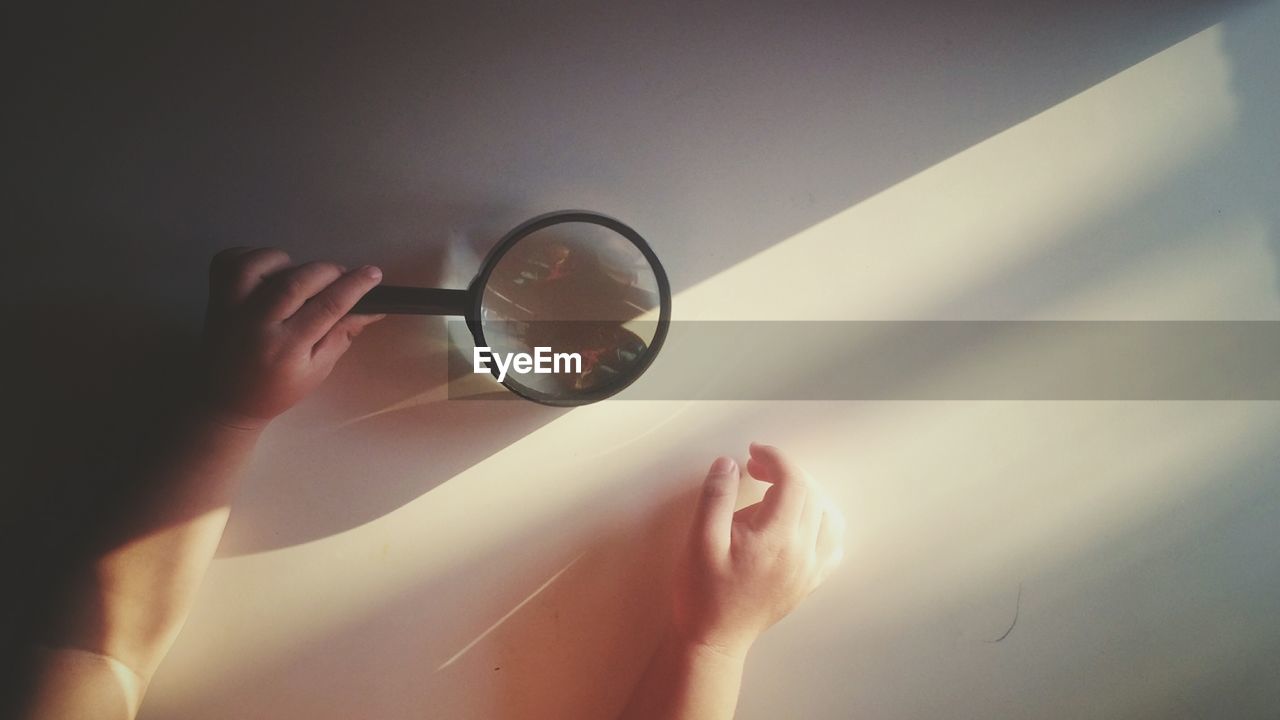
(475, 292)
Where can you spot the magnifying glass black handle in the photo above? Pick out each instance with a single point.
(401, 300)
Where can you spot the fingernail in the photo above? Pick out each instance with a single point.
(377, 317)
(722, 466)
(371, 272)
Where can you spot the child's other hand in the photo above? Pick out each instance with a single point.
(274, 331)
(743, 571)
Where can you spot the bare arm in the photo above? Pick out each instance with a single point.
(127, 604)
(273, 333)
(742, 572)
(687, 681)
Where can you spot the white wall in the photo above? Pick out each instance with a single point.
(395, 554)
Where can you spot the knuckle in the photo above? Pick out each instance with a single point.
(226, 255)
(264, 338)
(279, 351)
(248, 266)
(246, 262)
(792, 551)
(292, 286)
(330, 305)
(316, 268)
(778, 541)
(221, 264)
(273, 253)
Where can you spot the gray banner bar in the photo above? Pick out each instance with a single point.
(958, 360)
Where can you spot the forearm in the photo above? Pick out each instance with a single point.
(687, 681)
(140, 578)
(272, 334)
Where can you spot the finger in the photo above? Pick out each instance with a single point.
(225, 257)
(713, 520)
(236, 272)
(811, 518)
(826, 570)
(746, 514)
(286, 291)
(338, 340)
(322, 312)
(783, 503)
(830, 532)
(831, 544)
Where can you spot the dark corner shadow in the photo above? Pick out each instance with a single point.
(1249, 42)
(91, 379)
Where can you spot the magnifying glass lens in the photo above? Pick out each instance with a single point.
(585, 295)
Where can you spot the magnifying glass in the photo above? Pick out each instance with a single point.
(575, 303)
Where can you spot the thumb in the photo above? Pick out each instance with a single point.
(713, 521)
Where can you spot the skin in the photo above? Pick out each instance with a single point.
(742, 572)
(273, 333)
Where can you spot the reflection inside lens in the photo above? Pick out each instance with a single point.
(573, 287)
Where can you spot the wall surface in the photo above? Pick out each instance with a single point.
(395, 554)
